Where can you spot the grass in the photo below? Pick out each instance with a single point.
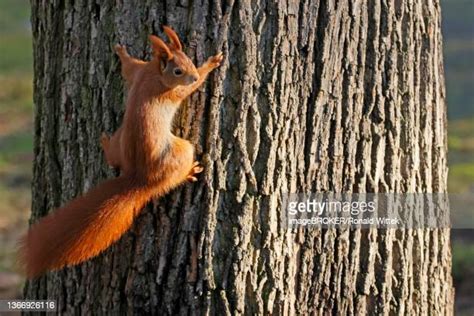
(14, 213)
(461, 155)
(16, 96)
(16, 121)
(15, 151)
(461, 178)
(14, 15)
(463, 259)
(16, 52)
(15, 37)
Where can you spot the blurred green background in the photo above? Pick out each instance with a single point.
(458, 32)
(16, 143)
(16, 124)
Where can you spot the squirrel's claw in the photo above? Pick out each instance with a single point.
(215, 61)
(195, 169)
(191, 179)
(104, 140)
(219, 57)
(121, 50)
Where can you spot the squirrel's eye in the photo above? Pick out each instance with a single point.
(177, 72)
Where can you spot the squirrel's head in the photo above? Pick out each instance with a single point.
(175, 67)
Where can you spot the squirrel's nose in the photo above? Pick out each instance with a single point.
(195, 78)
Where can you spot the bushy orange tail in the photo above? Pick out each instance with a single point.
(84, 227)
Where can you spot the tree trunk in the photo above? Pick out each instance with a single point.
(313, 96)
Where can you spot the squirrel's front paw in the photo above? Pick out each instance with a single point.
(215, 61)
(195, 169)
(104, 141)
(120, 50)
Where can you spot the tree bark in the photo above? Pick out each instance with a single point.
(313, 96)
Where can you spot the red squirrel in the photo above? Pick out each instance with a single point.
(152, 161)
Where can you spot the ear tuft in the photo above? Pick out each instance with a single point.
(160, 48)
(174, 39)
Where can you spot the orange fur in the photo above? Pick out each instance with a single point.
(151, 159)
(75, 232)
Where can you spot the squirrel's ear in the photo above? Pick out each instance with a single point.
(175, 43)
(160, 48)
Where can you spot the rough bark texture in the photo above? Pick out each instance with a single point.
(344, 96)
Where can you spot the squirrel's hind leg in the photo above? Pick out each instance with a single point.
(177, 166)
